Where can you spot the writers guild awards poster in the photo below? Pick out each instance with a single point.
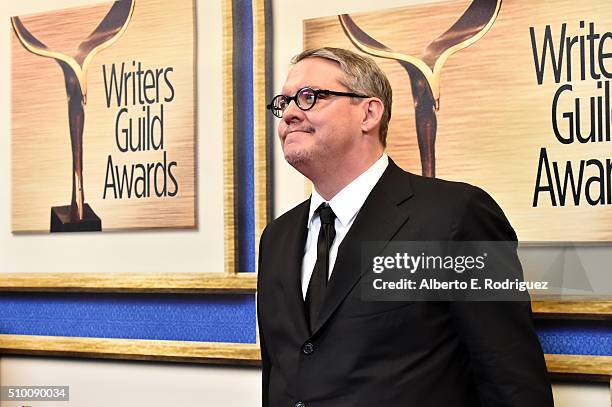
(512, 95)
(103, 133)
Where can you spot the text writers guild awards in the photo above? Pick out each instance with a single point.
(78, 216)
(424, 72)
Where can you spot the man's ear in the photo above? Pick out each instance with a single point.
(373, 112)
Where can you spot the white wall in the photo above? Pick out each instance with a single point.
(124, 383)
(581, 394)
(101, 383)
(98, 383)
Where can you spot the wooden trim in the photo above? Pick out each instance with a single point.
(131, 349)
(259, 118)
(130, 282)
(573, 309)
(228, 138)
(593, 368)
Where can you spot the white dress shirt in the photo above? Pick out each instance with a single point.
(345, 204)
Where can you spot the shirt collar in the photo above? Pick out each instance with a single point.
(350, 199)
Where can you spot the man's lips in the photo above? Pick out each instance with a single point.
(296, 130)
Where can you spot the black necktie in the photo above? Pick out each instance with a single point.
(318, 280)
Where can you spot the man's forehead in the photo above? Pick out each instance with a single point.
(313, 72)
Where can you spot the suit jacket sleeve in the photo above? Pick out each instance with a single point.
(507, 359)
(265, 357)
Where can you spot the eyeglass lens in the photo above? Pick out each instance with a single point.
(305, 98)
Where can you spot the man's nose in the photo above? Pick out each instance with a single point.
(292, 112)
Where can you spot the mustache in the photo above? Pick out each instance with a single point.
(302, 128)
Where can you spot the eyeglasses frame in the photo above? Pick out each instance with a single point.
(316, 93)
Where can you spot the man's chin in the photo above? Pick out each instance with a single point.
(297, 159)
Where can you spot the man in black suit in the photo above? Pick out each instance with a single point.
(321, 344)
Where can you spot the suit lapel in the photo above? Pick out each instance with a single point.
(295, 240)
(378, 220)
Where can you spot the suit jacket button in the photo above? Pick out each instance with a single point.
(307, 350)
(300, 404)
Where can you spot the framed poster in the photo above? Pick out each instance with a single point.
(511, 96)
(186, 250)
(103, 118)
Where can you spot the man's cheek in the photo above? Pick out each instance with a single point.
(280, 134)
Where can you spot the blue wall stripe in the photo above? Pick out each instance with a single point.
(210, 318)
(181, 317)
(593, 338)
(243, 140)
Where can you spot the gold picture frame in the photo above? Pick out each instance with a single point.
(228, 281)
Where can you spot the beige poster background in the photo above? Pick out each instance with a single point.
(159, 36)
(494, 118)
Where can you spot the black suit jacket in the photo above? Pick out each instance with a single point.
(394, 353)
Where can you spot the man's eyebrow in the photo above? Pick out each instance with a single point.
(300, 87)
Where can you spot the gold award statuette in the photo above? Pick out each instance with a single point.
(424, 72)
(78, 216)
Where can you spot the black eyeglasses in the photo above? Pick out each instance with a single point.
(305, 98)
